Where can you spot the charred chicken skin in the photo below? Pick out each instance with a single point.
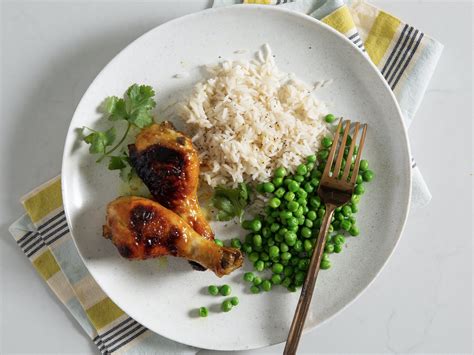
(141, 228)
(168, 164)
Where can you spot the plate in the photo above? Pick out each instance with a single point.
(163, 294)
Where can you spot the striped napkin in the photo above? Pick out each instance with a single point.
(405, 56)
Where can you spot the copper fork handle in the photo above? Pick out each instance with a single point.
(308, 286)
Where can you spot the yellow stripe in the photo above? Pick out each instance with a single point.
(261, 2)
(46, 265)
(103, 313)
(340, 20)
(43, 201)
(380, 36)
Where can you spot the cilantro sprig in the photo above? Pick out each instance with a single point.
(229, 202)
(135, 109)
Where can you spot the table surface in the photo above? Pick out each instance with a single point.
(421, 302)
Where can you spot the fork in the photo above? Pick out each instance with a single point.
(335, 189)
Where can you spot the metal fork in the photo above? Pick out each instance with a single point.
(335, 189)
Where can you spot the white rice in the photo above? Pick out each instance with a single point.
(249, 118)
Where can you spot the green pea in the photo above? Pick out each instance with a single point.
(234, 300)
(276, 279)
(315, 202)
(310, 167)
(247, 248)
(302, 193)
(277, 182)
(249, 276)
(290, 238)
(354, 208)
(236, 243)
(359, 179)
(308, 187)
(253, 257)
(339, 216)
(305, 209)
(288, 270)
(255, 225)
(273, 251)
(268, 187)
(265, 232)
(289, 196)
(337, 248)
(346, 211)
(286, 282)
(302, 201)
(368, 175)
(274, 202)
(323, 154)
(329, 118)
(329, 248)
(284, 247)
(280, 172)
(354, 231)
(279, 192)
(306, 232)
(255, 289)
(282, 231)
(259, 265)
(301, 220)
(285, 256)
(266, 285)
(299, 178)
(325, 264)
(299, 212)
(277, 268)
(326, 142)
(339, 239)
(298, 247)
(257, 240)
(203, 312)
(311, 215)
(293, 186)
(346, 225)
(213, 290)
(286, 181)
(300, 276)
(292, 222)
(296, 283)
(257, 280)
(314, 182)
(307, 246)
(325, 256)
(355, 199)
(359, 189)
(351, 219)
(317, 223)
(292, 206)
(301, 169)
(264, 256)
(364, 165)
(284, 215)
(225, 290)
(311, 158)
(270, 242)
(219, 242)
(331, 228)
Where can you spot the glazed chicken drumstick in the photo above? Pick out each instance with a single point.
(141, 228)
(168, 164)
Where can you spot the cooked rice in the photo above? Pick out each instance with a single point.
(250, 118)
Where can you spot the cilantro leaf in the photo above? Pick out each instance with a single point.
(117, 162)
(100, 140)
(230, 203)
(115, 108)
(138, 103)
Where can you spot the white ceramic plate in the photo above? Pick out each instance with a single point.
(163, 295)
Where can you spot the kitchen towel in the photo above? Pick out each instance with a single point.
(406, 58)
(43, 235)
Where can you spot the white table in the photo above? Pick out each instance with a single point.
(422, 301)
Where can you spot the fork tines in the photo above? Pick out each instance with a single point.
(339, 145)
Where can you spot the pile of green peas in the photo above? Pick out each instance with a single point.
(283, 237)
